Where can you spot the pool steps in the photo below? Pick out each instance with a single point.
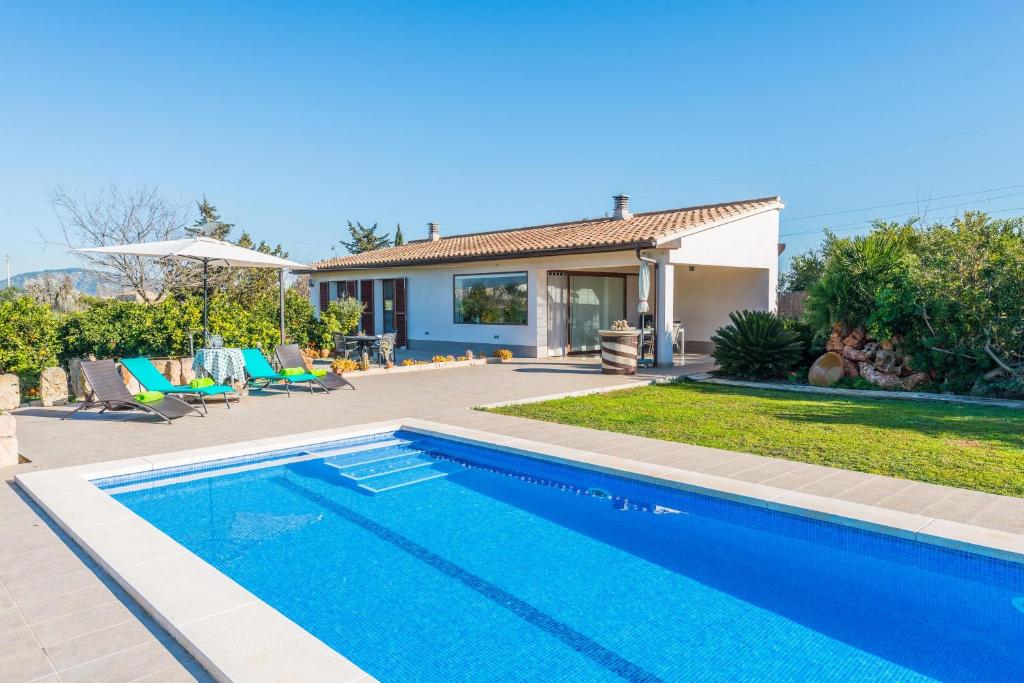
(393, 467)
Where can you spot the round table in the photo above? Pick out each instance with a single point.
(220, 364)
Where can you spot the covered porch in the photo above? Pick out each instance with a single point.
(687, 303)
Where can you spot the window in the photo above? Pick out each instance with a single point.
(491, 299)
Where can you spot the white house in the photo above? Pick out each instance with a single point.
(546, 290)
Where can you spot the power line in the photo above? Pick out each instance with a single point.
(860, 223)
(913, 201)
(833, 160)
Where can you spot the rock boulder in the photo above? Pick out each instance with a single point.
(187, 373)
(883, 379)
(10, 392)
(53, 387)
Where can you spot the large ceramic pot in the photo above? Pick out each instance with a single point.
(618, 351)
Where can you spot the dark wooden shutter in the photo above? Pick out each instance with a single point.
(325, 295)
(350, 288)
(366, 296)
(401, 325)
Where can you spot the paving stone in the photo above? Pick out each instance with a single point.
(80, 623)
(32, 665)
(102, 643)
(126, 665)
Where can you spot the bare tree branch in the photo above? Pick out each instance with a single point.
(114, 217)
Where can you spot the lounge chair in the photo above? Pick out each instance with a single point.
(289, 356)
(109, 391)
(150, 378)
(261, 375)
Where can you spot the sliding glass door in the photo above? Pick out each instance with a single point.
(594, 302)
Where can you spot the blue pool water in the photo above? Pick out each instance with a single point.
(422, 559)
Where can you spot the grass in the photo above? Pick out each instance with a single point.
(971, 447)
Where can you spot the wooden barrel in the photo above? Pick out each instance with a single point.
(618, 351)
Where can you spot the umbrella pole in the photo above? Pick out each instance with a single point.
(206, 303)
(281, 303)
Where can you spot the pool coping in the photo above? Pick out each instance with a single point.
(238, 637)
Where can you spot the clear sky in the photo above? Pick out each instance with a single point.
(293, 117)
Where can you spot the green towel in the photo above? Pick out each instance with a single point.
(149, 397)
(289, 372)
(318, 372)
(201, 382)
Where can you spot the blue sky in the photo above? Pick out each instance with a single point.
(293, 117)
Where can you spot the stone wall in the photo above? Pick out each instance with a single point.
(879, 362)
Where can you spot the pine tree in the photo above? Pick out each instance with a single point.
(364, 238)
(208, 214)
(399, 237)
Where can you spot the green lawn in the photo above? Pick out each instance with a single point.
(972, 447)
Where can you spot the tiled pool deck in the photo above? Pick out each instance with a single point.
(61, 619)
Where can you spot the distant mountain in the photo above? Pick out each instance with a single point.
(85, 281)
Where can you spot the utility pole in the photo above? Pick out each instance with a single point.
(7, 257)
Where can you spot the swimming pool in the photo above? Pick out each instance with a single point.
(422, 558)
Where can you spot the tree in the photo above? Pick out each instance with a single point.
(244, 285)
(804, 270)
(208, 214)
(364, 238)
(114, 217)
(56, 290)
(399, 237)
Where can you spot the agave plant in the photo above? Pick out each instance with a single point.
(755, 345)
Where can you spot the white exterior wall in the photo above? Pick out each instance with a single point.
(705, 296)
(751, 242)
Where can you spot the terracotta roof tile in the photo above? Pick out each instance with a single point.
(597, 234)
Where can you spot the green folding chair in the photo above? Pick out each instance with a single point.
(261, 375)
(150, 378)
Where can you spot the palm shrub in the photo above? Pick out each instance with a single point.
(755, 345)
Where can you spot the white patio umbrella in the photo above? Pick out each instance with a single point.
(644, 287)
(209, 252)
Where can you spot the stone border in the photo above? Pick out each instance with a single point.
(707, 378)
(238, 637)
(397, 369)
(668, 379)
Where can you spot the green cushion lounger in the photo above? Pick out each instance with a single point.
(108, 390)
(261, 375)
(150, 378)
(289, 356)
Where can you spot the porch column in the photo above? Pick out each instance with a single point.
(664, 310)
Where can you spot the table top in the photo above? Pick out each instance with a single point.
(362, 337)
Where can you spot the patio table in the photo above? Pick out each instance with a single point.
(220, 364)
(366, 343)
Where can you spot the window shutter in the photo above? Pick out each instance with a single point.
(350, 288)
(401, 324)
(366, 296)
(325, 295)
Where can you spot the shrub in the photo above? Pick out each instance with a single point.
(810, 345)
(344, 365)
(443, 359)
(342, 316)
(503, 354)
(755, 345)
(28, 339)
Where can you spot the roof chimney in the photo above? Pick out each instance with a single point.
(434, 232)
(621, 212)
